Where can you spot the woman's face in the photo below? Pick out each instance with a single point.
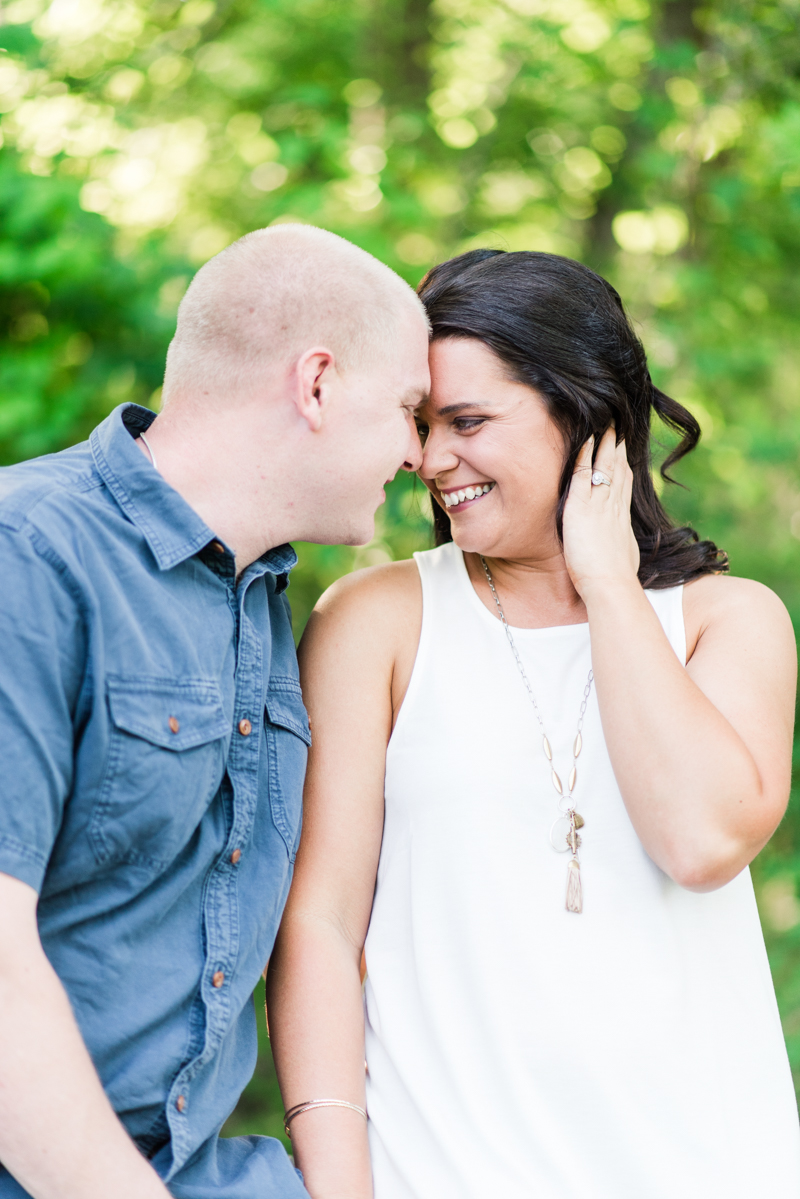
(484, 432)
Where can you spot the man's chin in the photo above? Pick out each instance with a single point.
(358, 530)
(363, 537)
(355, 535)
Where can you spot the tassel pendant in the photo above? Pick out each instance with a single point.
(574, 889)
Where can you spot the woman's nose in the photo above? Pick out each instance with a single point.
(438, 457)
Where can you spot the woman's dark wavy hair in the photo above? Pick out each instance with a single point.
(561, 329)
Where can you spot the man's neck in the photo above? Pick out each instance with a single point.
(218, 496)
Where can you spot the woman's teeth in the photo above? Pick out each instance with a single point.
(452, 498)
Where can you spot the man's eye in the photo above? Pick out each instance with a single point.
(423, 431)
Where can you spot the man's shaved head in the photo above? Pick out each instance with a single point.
(274, 294)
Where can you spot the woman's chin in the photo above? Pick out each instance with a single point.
(474, 540)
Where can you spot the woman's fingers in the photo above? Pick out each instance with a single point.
(626, 475)
(611, 460)
(627, 493)
(605, 459)
(582, 475)
(620, 471)
(598, 538)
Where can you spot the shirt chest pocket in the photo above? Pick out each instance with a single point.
(288, 739)
(166, 760)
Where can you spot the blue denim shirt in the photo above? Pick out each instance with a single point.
(154, 747)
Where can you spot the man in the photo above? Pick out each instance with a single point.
(153, 731)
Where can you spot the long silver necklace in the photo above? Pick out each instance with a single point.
(564, 833)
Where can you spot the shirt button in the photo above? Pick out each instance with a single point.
(245, 727)
(218, 547)
(180, 1102)
(174, 724)
(237, 853)
(218, 979)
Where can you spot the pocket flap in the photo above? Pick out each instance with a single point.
(285, 707)
(174, 715)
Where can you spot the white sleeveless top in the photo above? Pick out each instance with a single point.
(519, 1051)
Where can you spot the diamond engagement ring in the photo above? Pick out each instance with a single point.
(600, 480)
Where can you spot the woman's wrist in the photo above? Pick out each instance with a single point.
(602, 590)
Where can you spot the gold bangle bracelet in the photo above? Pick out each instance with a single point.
(299, 1108)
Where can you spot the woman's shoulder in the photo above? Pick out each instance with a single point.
(391, 584)
(371, 608)
(722, 602)
(724, 592)
(368, 625)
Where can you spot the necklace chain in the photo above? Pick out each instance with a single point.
(570, 837)
(150, 452)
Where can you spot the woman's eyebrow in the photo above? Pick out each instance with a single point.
(450, 408)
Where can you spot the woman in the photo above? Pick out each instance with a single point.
(545, 753)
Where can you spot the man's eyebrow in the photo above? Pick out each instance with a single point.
(417, 396)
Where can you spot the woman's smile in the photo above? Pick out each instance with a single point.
(461, 497)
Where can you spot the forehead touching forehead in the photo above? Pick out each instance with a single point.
(278, 292)
(399, 375)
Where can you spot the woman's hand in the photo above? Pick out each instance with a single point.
(599, 545)
(702, 752)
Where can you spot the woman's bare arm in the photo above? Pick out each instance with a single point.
(356, 658)
(702, 755)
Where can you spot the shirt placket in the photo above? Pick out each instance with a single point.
(220, 908)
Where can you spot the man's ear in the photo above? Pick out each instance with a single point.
(313, 376)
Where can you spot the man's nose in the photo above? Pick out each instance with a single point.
(414, 452)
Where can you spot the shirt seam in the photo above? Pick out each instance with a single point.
(79, 486)
(27, 852)
(47, 554)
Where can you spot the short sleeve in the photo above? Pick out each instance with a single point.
(41, 667)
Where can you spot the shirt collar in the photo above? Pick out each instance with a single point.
(171, 527)
(279, 562)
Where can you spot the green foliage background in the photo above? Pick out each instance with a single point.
(656, 140)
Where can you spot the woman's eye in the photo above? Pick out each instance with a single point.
(467, 424)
